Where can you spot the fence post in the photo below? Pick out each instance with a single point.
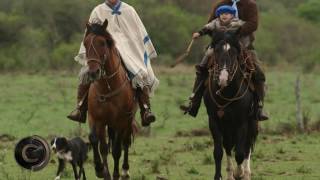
(299, 117)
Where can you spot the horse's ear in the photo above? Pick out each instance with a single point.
(105, 24)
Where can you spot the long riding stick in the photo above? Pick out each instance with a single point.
(183, 56)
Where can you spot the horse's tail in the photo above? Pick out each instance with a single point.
(126, 139)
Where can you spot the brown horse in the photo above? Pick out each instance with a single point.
(111, 101)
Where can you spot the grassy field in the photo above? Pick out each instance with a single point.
(178, 147)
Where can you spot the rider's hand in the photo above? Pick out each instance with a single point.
(195, 35)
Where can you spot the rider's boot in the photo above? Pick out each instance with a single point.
(80, 113)
(198, 90)
(147, 117)
(260, 92)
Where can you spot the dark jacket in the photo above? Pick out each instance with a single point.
(248, 12)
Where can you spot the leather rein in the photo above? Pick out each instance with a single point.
(104, 75)
(245, 76)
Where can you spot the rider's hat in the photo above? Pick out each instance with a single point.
(225, 9)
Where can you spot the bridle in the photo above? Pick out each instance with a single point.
(213, 76)
(102, 62)
(217, 69)
(104, 75)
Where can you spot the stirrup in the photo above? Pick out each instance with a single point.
(185, 108)
(191, 110)
(147, 118)
(77, 115)
(261, 116)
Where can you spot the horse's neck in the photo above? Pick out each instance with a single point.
(115, 74)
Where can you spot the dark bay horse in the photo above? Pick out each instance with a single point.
(111, 102)
(229, 102)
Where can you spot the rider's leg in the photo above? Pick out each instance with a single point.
(259, 84)
(80, 113)
(147, 117)
(198, 88)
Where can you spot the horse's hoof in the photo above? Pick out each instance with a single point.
(99, 173)
(125, 175)
(246, 177)
(116, 177)
(107, 177)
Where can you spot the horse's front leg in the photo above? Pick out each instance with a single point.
(228, 145)
(125, 165)
(218, 151)
(94, 141)
(104, 150)
(246, 165)
(241, 137)
(116, 153)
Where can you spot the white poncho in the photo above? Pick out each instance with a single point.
(132, 41)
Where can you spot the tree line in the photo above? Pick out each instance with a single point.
(40, 35)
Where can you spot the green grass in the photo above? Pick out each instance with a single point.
(37, 104)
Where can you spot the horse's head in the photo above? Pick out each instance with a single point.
(227, 48)
(98, 43)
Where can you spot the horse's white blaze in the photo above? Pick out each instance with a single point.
(125, 173)
(229, 168)
(226, 47)
(223, 77)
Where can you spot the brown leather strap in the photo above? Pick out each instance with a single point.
(104, 97)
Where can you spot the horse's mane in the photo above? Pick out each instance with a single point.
(229, 37)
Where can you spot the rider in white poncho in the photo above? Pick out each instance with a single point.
(135, 48)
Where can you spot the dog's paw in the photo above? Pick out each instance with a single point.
(57, 178)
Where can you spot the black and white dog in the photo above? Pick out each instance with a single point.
(74, 151)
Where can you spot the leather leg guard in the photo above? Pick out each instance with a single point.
(147, 117)
(198, 90)
(80, 113)
(259, 79)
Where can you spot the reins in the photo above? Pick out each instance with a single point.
(237, 95)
